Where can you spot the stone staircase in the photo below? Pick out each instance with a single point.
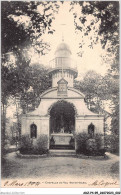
(62, 153)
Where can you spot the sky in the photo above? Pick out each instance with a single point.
(64, 26)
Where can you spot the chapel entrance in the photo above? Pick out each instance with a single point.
(62, 126)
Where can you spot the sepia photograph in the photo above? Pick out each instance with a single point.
(60, 94)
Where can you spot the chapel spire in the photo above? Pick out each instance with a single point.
(63, 66)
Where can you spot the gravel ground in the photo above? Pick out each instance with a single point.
(57, 167)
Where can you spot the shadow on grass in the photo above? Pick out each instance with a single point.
(115, 168)
(8, 167)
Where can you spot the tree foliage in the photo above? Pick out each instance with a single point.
(23, 23)
(94, 84)
(39, 81)
(103, 14)
(99, 20)
(103, 88)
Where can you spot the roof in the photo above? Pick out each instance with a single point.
(63, 46)
(62, 81)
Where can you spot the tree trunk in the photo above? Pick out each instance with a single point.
(3, 128)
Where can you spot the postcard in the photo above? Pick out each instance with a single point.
(60, 94)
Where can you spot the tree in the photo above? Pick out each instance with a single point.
(7, 88)
(103, 21)
(99, 89)
(99, 21)
(16, 82)
(39, 81)
(95, 85)
(23, 23)
(17, 34)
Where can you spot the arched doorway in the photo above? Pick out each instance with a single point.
(62, 125)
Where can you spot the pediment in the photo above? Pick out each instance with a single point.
(62, 81)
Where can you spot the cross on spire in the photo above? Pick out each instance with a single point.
(62, 32)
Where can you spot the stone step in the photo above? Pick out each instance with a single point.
(62, 147)
(62, 152)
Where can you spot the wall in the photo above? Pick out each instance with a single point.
(42, 124)
(83, 122)
(67, 76)
(40, 117)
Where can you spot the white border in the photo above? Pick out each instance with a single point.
(58, 191)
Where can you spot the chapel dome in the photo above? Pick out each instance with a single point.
(63, 46)
(63, 50)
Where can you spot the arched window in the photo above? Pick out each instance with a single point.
(91, 129)
(33, 131)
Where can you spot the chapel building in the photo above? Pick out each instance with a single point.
(62, 112)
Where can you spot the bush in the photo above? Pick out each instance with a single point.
(99, 139)
(52, 142)
(115, 144)
(112, 143)
(90, 146)
(25, 145)
(81, 139)
(72, 142)
(41, 146)
(30, 146)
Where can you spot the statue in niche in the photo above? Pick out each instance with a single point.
(33, 131)
(62, 125)
(72, 128)
(91, 128)
(62, 130)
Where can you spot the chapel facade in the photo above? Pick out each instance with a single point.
(62, 112)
